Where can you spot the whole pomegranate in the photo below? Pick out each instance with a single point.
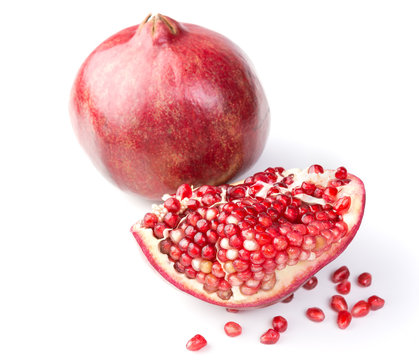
(166, 103)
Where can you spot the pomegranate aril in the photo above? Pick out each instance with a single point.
(231, 229)
(291, 213)
(190, 273)
(295, 238)
(158, 230)
(240, 265)
(343, 287)
(310, 283)
(192, 204)
(234, 311)
(205, 266)
(280, 242)
(317, 169)
(308, 188)
(364, 279)
(232, 329)
(340, 274)
(315, 314)
(257, 258)
(217, 270)
(212, 236)
(184, 191)
(193, 250)
(208, 252)
(211, 283)
(190, 231)
(236, 242)
(341, 173)
(288, 299)
(200, 277)
(375, 302)
(172, 204)
(164, 246)
(342, 204)
(360, 309)
(174, 253)
(185, 260)
(247, 290)
(263, 238)
(150, 220)
(330, 193)
(279, 323)
(196, 343)
(338, 303)
(344, 319)
(192, 218)
(202, 225)
(179, 267)
(270, 337)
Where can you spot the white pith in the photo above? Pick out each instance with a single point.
(288, 276)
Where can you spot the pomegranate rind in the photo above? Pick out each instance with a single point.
(290, 278)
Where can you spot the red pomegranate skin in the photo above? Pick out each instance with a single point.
(165, 103)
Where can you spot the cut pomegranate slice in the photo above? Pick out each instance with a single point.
(252, 243)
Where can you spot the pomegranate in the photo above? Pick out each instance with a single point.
(315, 314)
(253, 243)
(344, 287)
(338, 303)
(288, 299)
(196, 343)
(165, 103)
(365, 279)
(360, 309)
(311, 283)
(270, 337)
(375, 302)
(340, 274)
(344, 319)
(279, 323)
(232, 329)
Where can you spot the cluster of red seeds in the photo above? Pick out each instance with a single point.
(226, 236)
(337, 303)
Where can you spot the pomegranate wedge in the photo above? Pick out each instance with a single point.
(252, 243)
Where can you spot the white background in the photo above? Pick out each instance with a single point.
(342, 79)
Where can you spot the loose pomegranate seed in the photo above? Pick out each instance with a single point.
(318, 169)
(341, 173)
(340, 274)
(232, 329)
(196, 343)
(279, 323)
(150, 220)
(360, 309)
(288, 299)
(365, 279)
(375, 302)
(270, 337)
(344, 287)
(344, 319)
(311, 283)
(232, 310)
(338, 303)
(315, 314)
